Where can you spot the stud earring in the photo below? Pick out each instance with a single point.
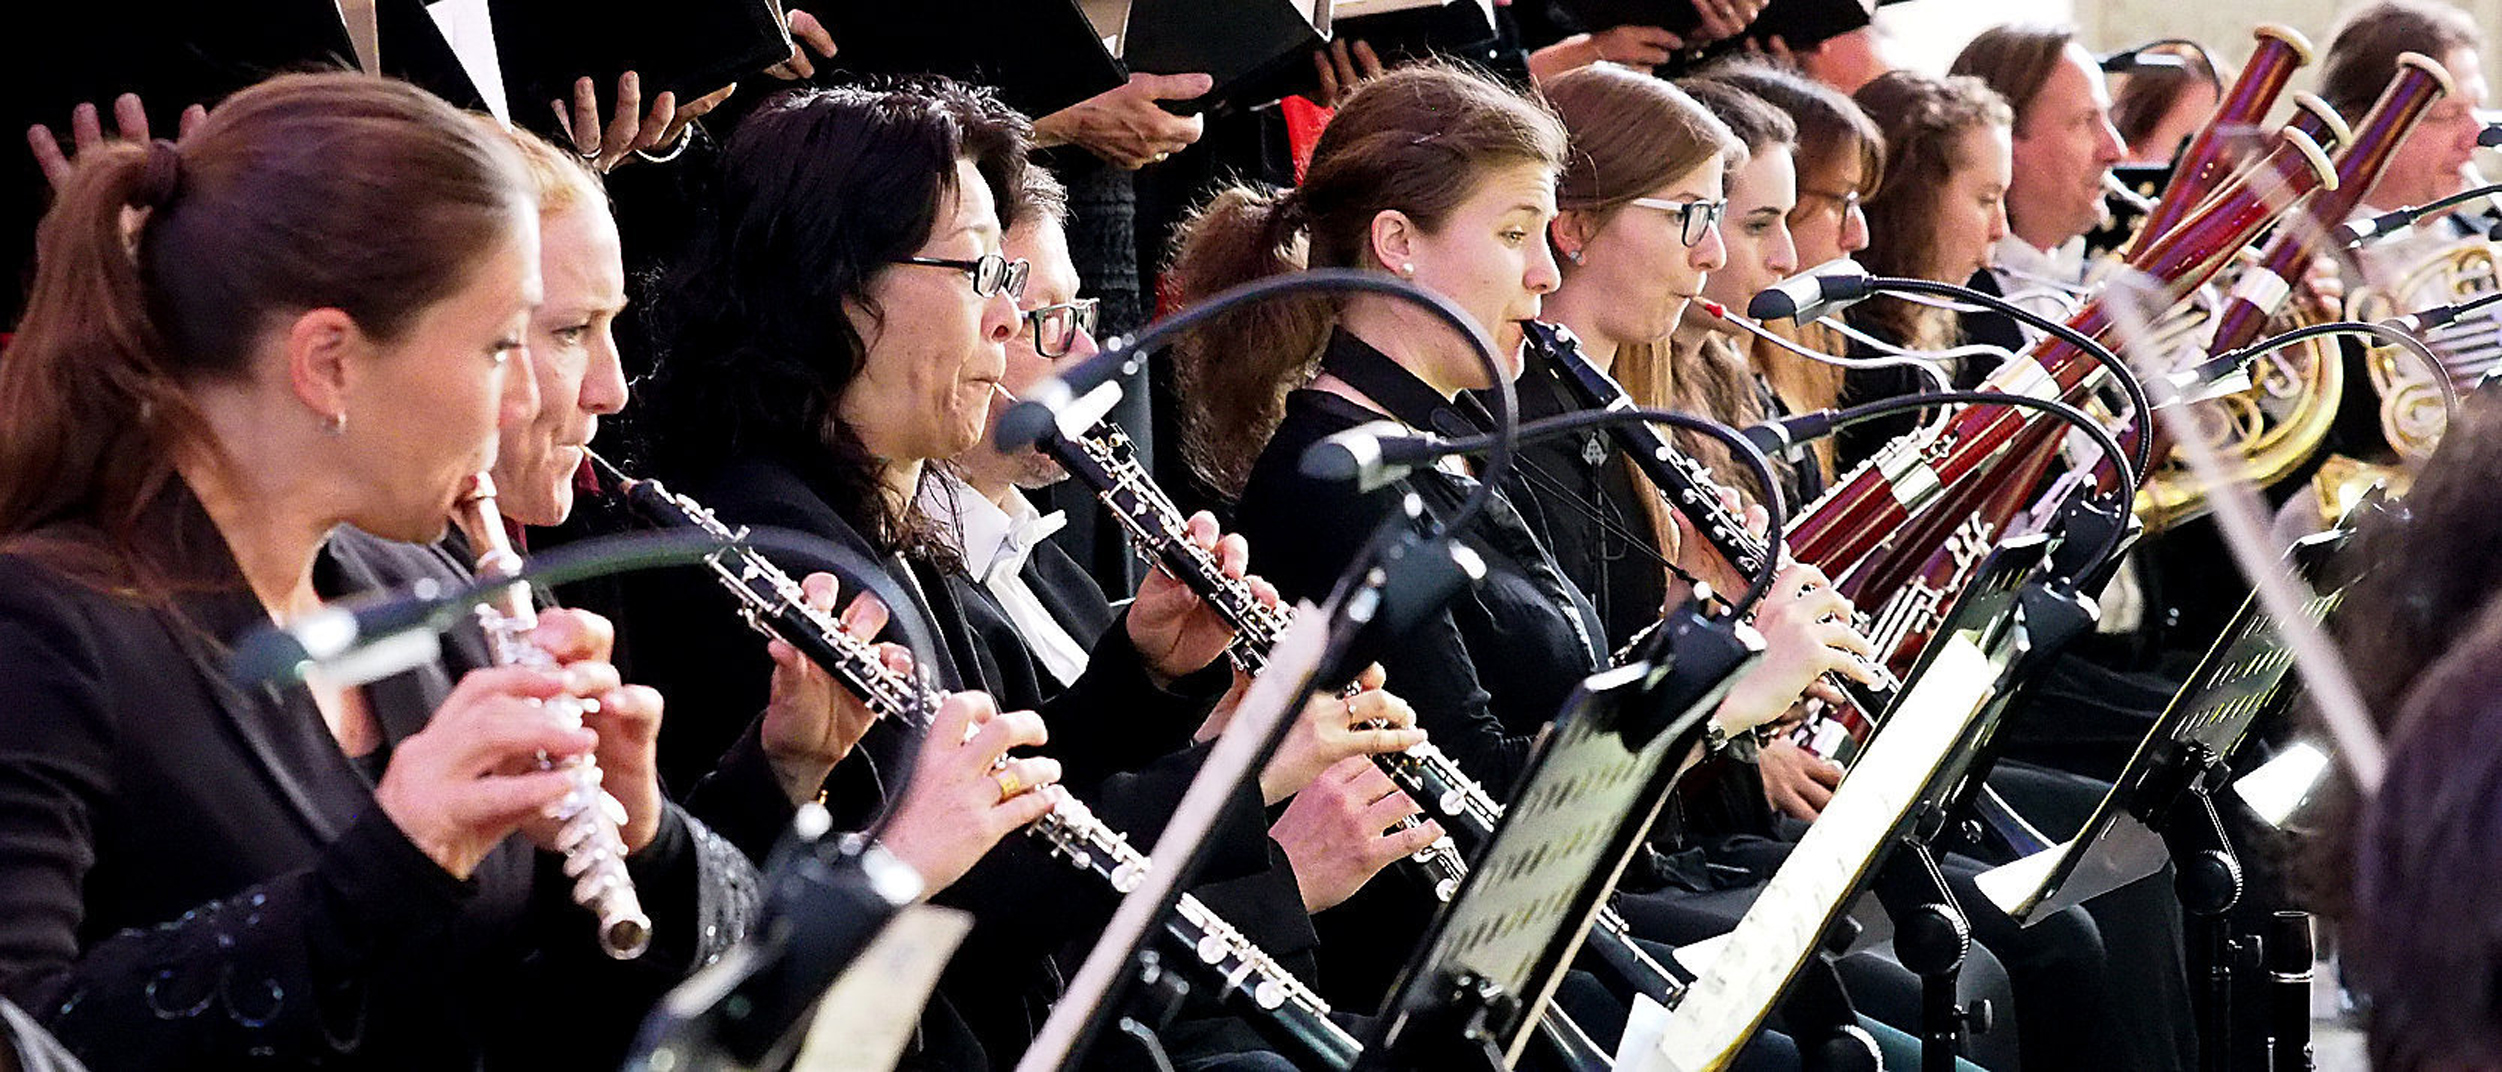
(336, 425)
(1573, 256)
(1407, 271)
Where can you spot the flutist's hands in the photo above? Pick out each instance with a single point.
(958, 807)
(627, 720)
(472, 777)
(811, 721)
(1807, 634)
(1171, 626)
(1337, 832)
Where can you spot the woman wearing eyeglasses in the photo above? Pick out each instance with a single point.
(841, 327)
(1839, 155)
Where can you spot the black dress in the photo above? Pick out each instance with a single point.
(194, 875)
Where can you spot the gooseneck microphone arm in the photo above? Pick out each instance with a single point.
(2357, 232)
(2141, 458)
(2395, 331)
(1039, 411)
(1802, 427)
(1837, 283)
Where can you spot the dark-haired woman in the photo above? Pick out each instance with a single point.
(241, 357)
(840, 326)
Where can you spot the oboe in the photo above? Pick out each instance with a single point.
(594, 851)
(1106, 461)
(773, 604)
(1690, 489)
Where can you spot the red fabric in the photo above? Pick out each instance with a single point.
(1304, 123)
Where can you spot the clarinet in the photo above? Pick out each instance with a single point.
(1105, 460)
(774, 604)
(593, 850)
(1686, 484)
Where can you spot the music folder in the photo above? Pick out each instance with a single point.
(1042, 55)
(1798, 23)
(688, 48)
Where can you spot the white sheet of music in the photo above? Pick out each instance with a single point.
(1781, 929)
(875, 1005)
(467, 27)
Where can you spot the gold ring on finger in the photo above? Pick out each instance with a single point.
(1009, 785)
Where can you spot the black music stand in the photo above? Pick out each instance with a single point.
(2162, 807)
(2002, 629)
(1473, 996)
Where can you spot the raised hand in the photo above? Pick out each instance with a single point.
(1126, 126)
(631, 129)
(626, 718)
(130, 121)
(1807, 634)
(1333, 728)
(1337, 832)
(807, 34)
(958, 806)
(1342, 67)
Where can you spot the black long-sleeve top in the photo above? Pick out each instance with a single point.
(1501, 657)
(193, 874)
(1483, 674)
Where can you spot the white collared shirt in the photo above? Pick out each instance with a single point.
(995, 545)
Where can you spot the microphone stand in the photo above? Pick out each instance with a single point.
(2142, 456)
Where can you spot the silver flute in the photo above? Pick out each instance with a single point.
(774, 604)
(1105, 460)
(594, 851)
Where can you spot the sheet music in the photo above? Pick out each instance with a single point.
(471, 33)
(1110, 18)
(875, 1005)
(1356, 9)
(1782, 928)
(364, 34)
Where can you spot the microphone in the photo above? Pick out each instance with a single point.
(1825, 288)
(1089, 387)
(1372, 454)
(349, 643)
(2357, 232)
(1777, 436)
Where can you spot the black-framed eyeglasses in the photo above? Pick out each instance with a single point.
(1696, 217)
(991, 272)
(1056, 327)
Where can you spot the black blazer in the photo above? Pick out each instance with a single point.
(191, 872)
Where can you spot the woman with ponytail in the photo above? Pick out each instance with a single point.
(240, 358)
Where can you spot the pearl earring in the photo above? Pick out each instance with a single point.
(1573, 256)
(1407, 271)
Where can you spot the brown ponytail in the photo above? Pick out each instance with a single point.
(1418, 140)
(159, 269)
